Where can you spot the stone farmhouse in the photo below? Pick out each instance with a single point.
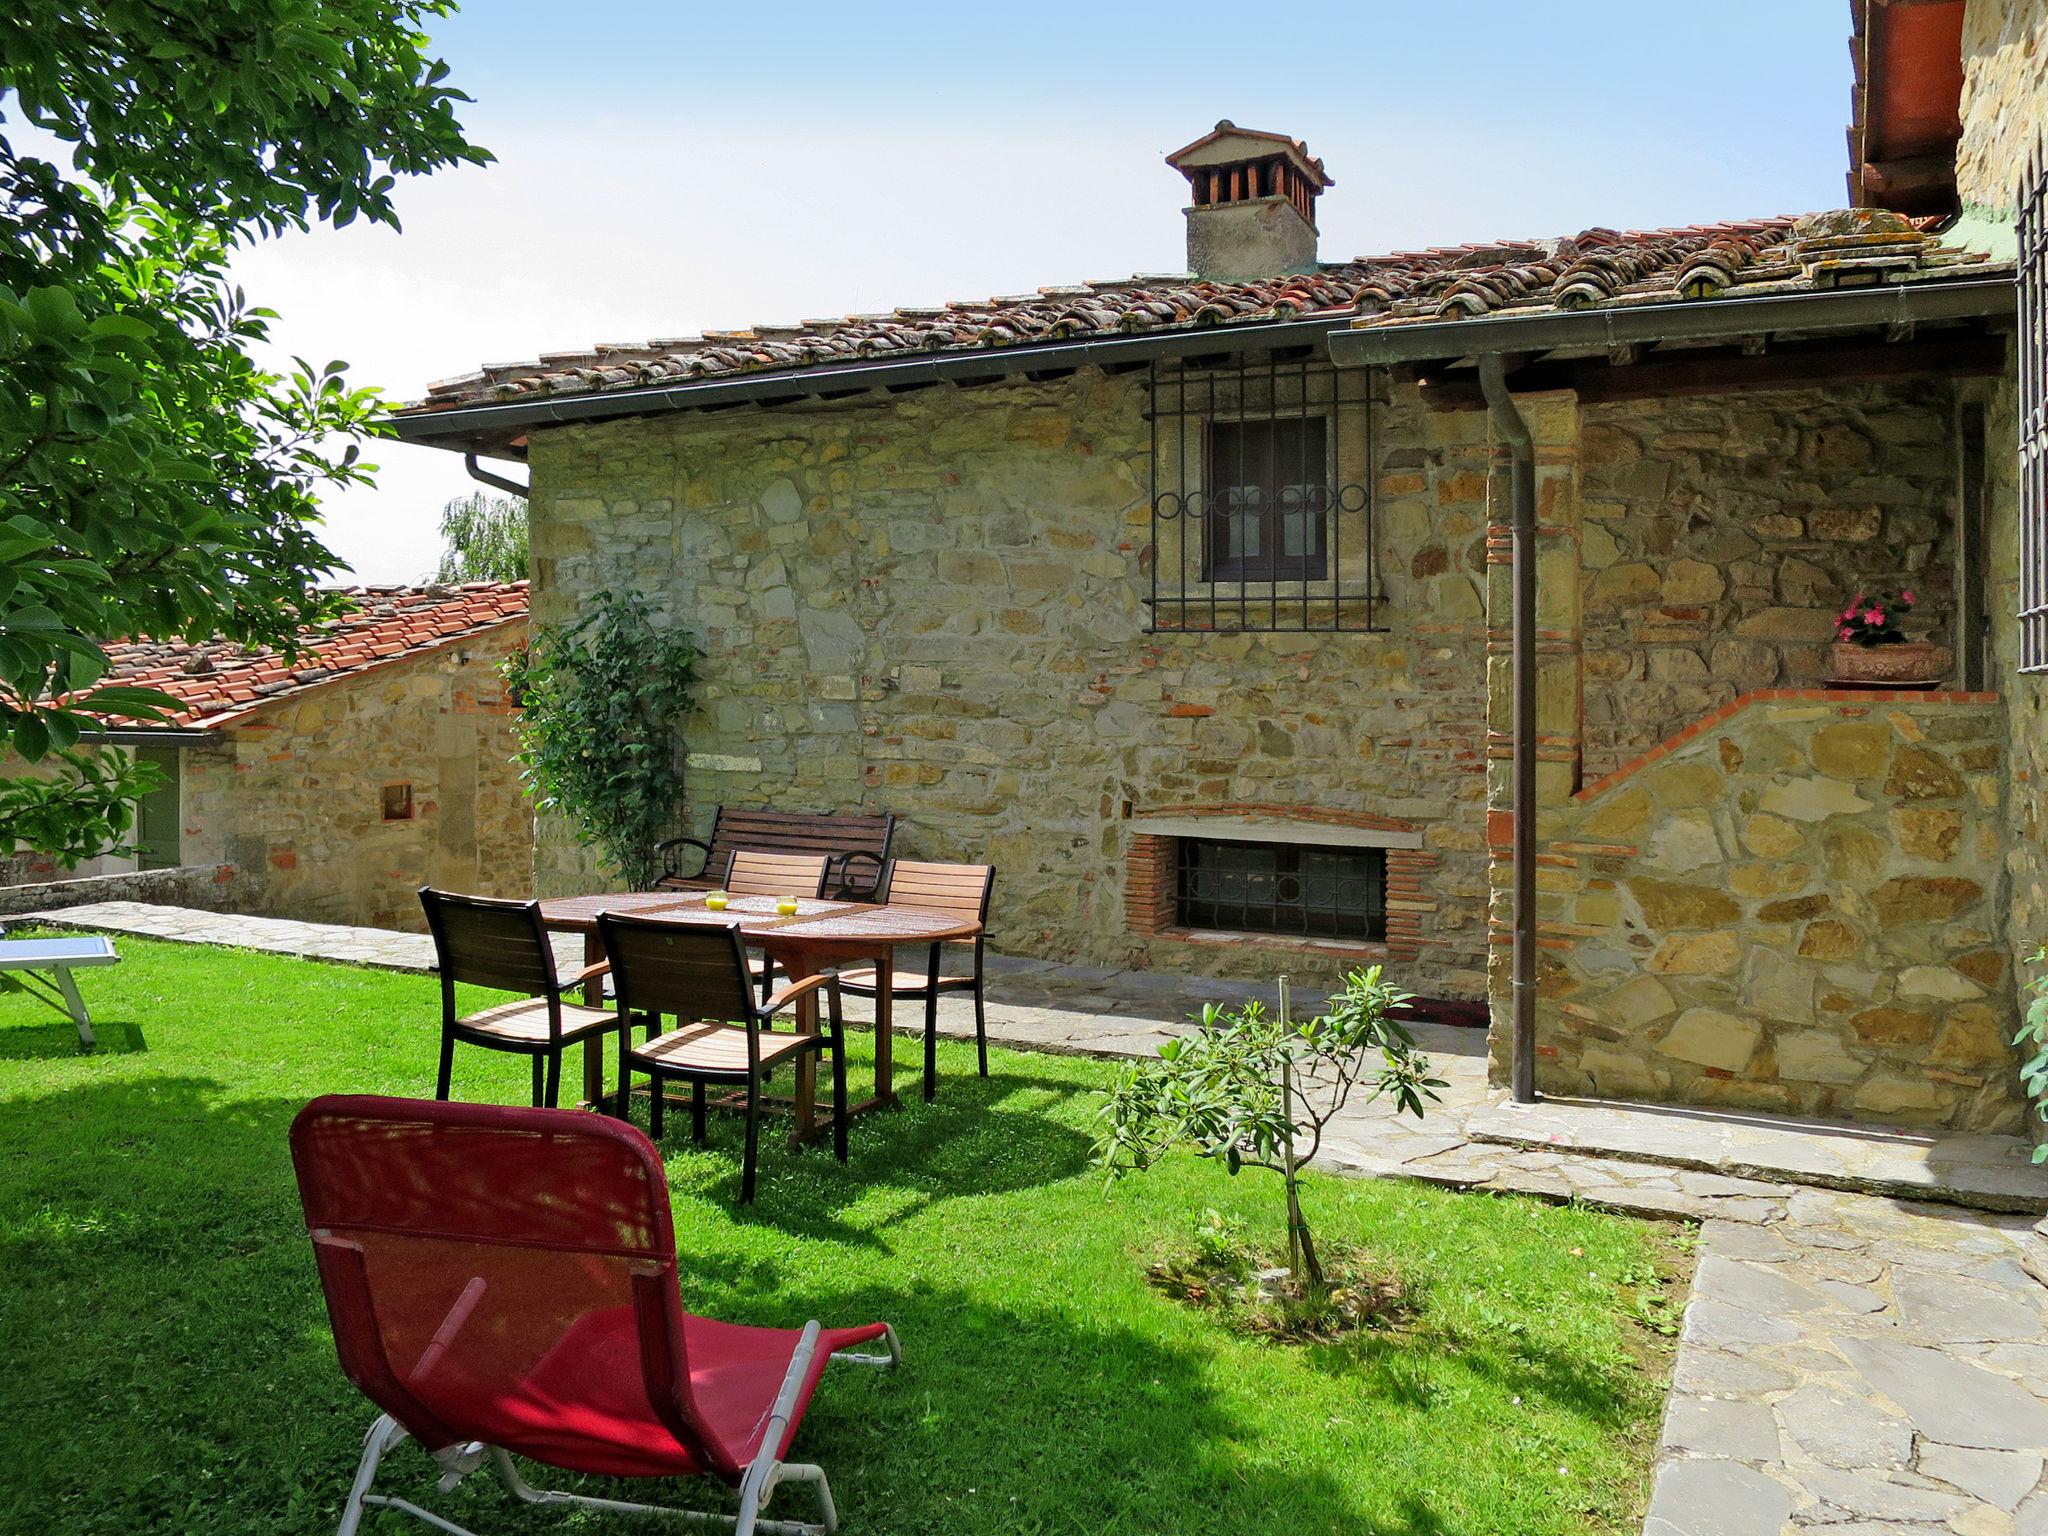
(1190, 601)
(330, 787)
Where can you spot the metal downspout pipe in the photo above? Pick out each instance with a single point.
(497, 482)
(1507, 420)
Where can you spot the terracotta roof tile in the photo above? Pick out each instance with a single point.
(1597, 268)
(220, 681)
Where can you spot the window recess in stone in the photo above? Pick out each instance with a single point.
(1284, 888)
(2033, 391)
(1262, 515)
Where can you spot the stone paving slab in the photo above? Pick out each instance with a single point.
(1988, 1172)
(1863, 1367)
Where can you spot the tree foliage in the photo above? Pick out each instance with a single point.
(1257, 1090)
(2032, 1039)
(83, 807)
(599, 702)
(484, 538)
(154, 479)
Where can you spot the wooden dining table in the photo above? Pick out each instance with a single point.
(818, 936)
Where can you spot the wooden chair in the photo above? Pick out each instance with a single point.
(697, 974)
(501, 945)
(760, 872)
(753, 872)
(857, 845)
(961, 890)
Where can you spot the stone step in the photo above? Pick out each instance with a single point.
(1990, 1173)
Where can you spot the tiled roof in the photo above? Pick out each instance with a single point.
(1599, 268)
(220, 681)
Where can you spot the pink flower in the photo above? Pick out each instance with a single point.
(1906, 598)
(1843, 633)
(1872, 616)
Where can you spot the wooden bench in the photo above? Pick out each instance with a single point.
(858, 847)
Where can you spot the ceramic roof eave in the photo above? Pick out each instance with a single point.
(1693, 320)
(466, 427)
(477, 427)
(213, 724)
(1125, 322)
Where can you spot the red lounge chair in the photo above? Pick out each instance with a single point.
(503, 1281)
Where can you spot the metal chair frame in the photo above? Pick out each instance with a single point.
(765, 1473)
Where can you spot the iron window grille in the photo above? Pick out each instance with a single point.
(1262, 513)
(1307, 892)
(2033, 393)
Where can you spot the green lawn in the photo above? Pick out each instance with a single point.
(165, 1363)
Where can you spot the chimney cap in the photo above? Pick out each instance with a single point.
(1228, 144)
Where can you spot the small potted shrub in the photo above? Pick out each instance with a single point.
(1871, 647)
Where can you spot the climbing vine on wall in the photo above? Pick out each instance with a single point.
(599, 701)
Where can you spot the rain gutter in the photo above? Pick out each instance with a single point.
(1691, 320)
(142, 735)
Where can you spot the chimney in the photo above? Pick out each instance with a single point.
(1254, 208)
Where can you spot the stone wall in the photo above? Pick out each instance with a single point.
(295, 793)
(1723, 534)
(1797, 905)
(936, 607)
(2005, 98)
(204, 887)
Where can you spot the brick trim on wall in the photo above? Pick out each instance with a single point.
(1149, 876)
(1148, 884)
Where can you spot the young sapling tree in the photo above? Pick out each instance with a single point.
(1258, 1090)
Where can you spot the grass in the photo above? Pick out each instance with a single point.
(165, 1363)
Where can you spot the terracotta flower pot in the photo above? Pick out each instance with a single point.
(1904, 664)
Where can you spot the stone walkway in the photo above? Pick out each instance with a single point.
(1869, 1364)
(1864, 1367)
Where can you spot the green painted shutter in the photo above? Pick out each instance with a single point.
(156, 813)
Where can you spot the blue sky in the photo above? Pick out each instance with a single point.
(668, 167)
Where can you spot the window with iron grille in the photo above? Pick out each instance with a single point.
(2033, 382)
(1261, 503)
(1310, 892)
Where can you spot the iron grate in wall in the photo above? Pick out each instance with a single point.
(2033, 404)
(1262, 508)
(1310, 892)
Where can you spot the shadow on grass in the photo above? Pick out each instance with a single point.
(168, 1350)
(982, 1136)
(57, 1039)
